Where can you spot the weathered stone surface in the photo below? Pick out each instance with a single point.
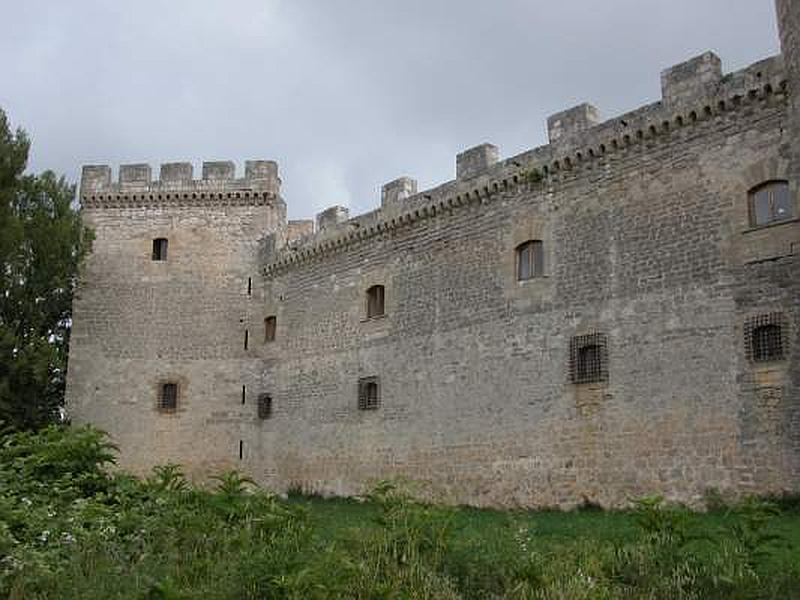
(572, 121)
(330, 217)
(647, 235)
(475, 161)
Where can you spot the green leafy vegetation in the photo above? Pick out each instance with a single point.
(532, 176)
(69, 529)
(42, 244)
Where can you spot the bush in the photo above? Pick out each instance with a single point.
(68, 529)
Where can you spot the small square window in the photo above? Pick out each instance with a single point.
(368, 393)
(588, 358)
(168, 398)
(770, 203)
(764, 338)
(160, 249)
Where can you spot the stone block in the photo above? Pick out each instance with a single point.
(332, 216)
(571, 121)
(475, 161)
(690, 79)
(221, 170)
(176, 172)
(135, 174)
(397, 190)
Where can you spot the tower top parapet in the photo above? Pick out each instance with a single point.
(176, 185)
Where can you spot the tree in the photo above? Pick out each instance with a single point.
(42, 244)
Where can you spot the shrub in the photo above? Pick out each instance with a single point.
(70, 530)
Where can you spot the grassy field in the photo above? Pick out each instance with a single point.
(70, 530)
(496, 534)
(343, 519)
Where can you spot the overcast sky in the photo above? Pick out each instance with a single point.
(345, 94)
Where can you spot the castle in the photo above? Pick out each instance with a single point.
(613, 314)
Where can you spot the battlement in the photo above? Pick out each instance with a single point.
(694, 92)
(176, 185)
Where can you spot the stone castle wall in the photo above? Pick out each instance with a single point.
(647, 239)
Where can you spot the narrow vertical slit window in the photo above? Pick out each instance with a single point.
(249, 286)
(246, 336)
(244, 394)
(241, 449)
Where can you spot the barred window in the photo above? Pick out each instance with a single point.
(270, 324)
(764, 337)
(375, 296)
(588, 358)
(770, 202)
(530, 260)
(160, 249)
(368, 393)
(264, 406)
(168, 399)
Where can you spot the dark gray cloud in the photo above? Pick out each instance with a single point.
(346, 95)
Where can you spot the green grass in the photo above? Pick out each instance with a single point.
(341, 520)
(70, 530)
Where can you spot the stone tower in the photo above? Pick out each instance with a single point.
(789, 28)
(159, 355)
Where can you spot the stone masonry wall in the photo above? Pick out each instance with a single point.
(649, 244)
(647, 237)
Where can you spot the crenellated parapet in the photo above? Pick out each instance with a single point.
(176, 185)
(694, 94)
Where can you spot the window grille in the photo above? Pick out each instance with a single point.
(588, 358)
(530, 260)
(264, 406)
(160, 249)
(770, 202)
(270, 324)
(368, 393)
(375, 304)
(764, 337)
(168, 400)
